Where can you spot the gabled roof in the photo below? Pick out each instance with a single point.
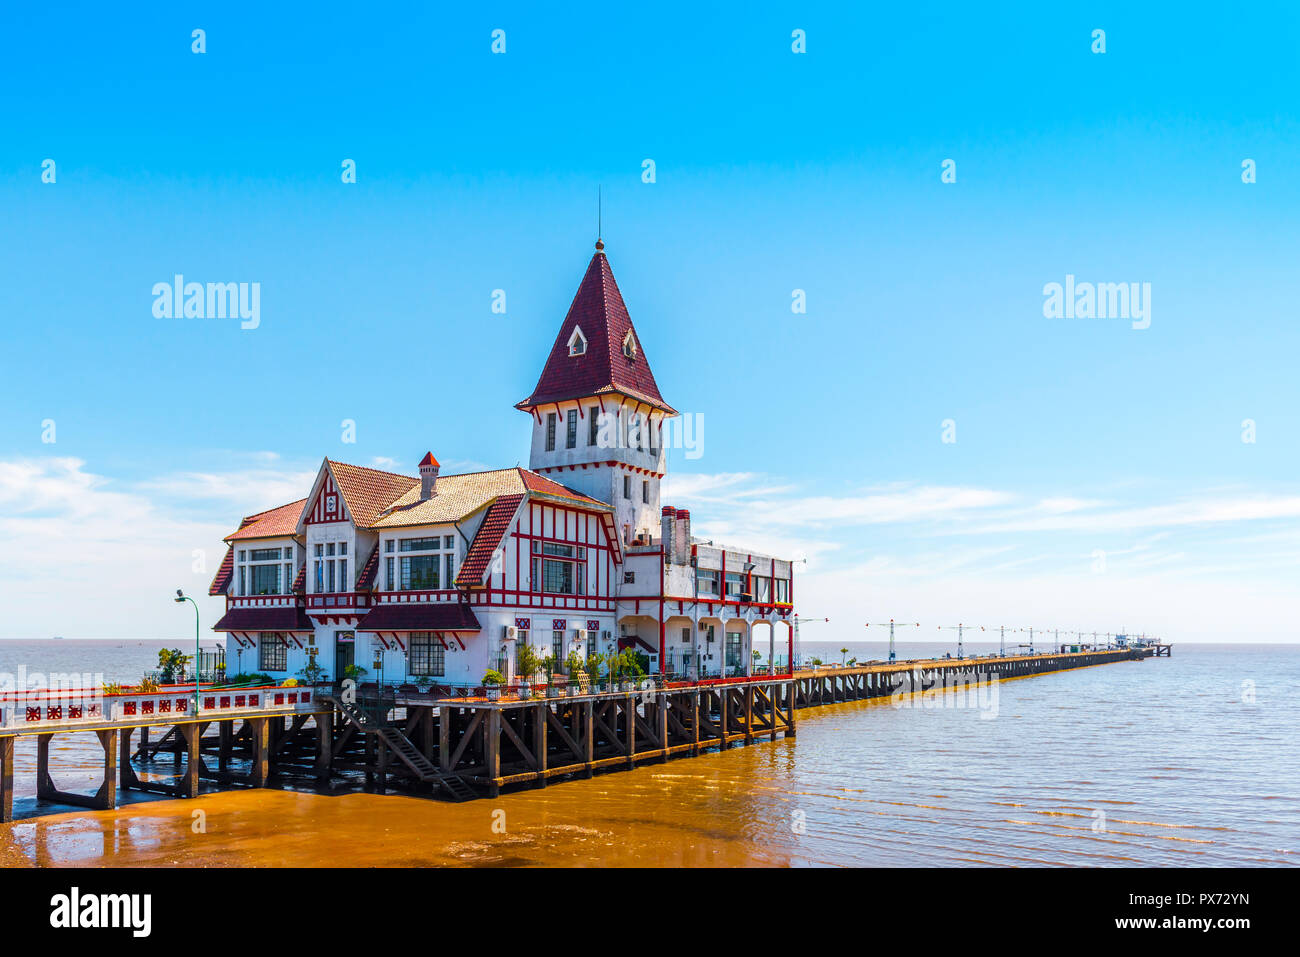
(602, 368)
(221, 581)
(367, 492)
(273, 523)
(458, 496)
(479, 557)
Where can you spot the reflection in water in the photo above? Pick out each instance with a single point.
(1139, 763)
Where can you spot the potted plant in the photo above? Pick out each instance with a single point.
(422, 682)
(313, 673)
(816, 663)
(492, 682)
(528, 665)
(548, 666)
(172, 662)
(595, 667)
(574, 665)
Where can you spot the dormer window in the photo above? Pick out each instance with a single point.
(577, 342)
(629, 345)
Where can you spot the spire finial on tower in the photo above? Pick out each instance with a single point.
(599, 224)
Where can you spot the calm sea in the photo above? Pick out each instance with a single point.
(1193, 759)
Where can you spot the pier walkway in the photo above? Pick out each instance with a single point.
(458, 747)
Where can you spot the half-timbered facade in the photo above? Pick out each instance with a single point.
(397, 578)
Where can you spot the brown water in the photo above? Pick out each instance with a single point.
(1157, 763)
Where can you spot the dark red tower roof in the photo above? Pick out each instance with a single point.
(604, 367)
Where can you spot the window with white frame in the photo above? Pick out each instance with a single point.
(560, 569)
(577, 342)
(272, 651)
(260, 571)
(427, 563)
(427, 655)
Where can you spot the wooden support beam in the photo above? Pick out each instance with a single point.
(589, 733)
(187, 786)
(492, 750)
(629, 713)
(324, 745)
(260, 735)
(540, 714)
(661, 724)
(474, 725)
(7, 779)
(444, 737)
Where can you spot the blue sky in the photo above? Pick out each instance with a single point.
(775, 171)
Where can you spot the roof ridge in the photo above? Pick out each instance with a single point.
(267, 511)
(412, 478)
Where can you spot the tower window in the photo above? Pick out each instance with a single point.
(550, 431)
(645, 492)
(627, 486)
(577, 342)
(571, 429)
(629, 345)
(593, 425)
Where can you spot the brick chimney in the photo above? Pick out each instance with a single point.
(667, 532)
(428, 477)
(683, 531)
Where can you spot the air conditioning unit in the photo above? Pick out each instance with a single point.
(510, 633)
(580, 634)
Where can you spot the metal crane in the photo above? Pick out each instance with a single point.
(958, 628)
(890, 623)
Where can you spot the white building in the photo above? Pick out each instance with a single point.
(442, 576)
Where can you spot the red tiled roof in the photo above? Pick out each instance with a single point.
(461, 495)
(428, 460)
(221, 581)
(264, 619)
(599, 311)
(273, 523)
(368, 492)
(420, 616)
(367, 577)
(545, 486)
(485, 543)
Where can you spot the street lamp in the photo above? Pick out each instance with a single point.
(182, 597)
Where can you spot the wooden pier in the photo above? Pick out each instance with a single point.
(465, 747)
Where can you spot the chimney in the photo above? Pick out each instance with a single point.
(667, 529)
(428, 476)
(683, 531)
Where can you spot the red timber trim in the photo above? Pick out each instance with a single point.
(320, 514)
(635, 470)
(663, 648)
(791, 597)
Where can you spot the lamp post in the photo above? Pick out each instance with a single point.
(182, 597)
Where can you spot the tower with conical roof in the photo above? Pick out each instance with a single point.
(597, 412)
